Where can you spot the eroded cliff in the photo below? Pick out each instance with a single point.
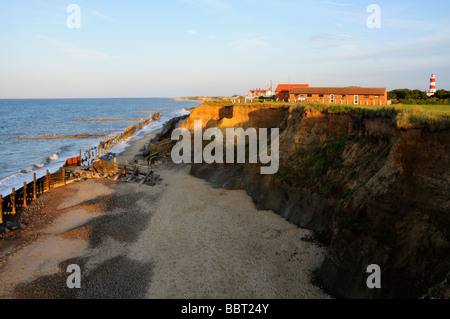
(378, 194)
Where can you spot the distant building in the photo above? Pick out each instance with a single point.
(283, 90)
(432, 85)
(257, 92)
(340, 95)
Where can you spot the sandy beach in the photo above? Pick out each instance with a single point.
(182, 238)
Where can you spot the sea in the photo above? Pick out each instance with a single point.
(20, 159)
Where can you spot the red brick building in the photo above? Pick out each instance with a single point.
(283, 90)
(340, 95)
(257, 92)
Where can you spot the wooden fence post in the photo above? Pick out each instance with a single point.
(81, 163)
(1, 209)
(24, 194)
(64, 176)
(48, 180)
(34, 186)
(13, 201)
(89, 156)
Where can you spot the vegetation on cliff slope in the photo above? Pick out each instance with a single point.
(403, 116)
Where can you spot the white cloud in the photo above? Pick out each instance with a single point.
(72, 51)
(192, 32)
(332, 40)
(101, 15)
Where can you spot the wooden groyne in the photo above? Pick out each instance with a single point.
(46, 137)
(107, 120)
(92, 161)
(9, 205)
(29, 192)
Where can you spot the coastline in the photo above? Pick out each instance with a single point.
(151, 237)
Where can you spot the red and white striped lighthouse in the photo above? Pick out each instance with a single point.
(433, 84)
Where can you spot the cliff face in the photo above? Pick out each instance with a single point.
(235, 116)
(381, 193)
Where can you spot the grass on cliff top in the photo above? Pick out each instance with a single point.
(434, 117)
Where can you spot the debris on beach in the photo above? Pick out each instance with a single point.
(134, 173)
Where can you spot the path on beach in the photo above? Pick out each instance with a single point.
(181, 239)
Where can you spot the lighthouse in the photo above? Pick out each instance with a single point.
(432, 85)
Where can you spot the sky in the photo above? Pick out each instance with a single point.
(218, 47)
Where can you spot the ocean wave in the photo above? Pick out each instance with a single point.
(53, 157)
(39, 165)
(183, 112)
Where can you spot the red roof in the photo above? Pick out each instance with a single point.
(288, 87)
(340, 90)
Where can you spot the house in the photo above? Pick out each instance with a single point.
(283, 90)
(340, 95)
(257, 92)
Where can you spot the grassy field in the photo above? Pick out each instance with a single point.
(432, 108)
(433, 117)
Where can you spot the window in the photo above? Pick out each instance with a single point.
(320, 95)
(309, 95)
(332, 98)
(342, 96)
(356, 101)
(366, 96)
(377, 96)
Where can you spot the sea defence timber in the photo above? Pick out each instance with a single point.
(106, 120)
(46, 137)
(20, 198)
(142, 122)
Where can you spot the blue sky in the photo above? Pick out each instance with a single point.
(217, 47)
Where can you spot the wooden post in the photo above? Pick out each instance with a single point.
(13, 201)
(48, 180)
(24, 194)
(64, 176)
(34, 186)
(81, 163)
(1, 209)
(89, 156)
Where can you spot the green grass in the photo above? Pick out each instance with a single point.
(433, 117)
(433, 108)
